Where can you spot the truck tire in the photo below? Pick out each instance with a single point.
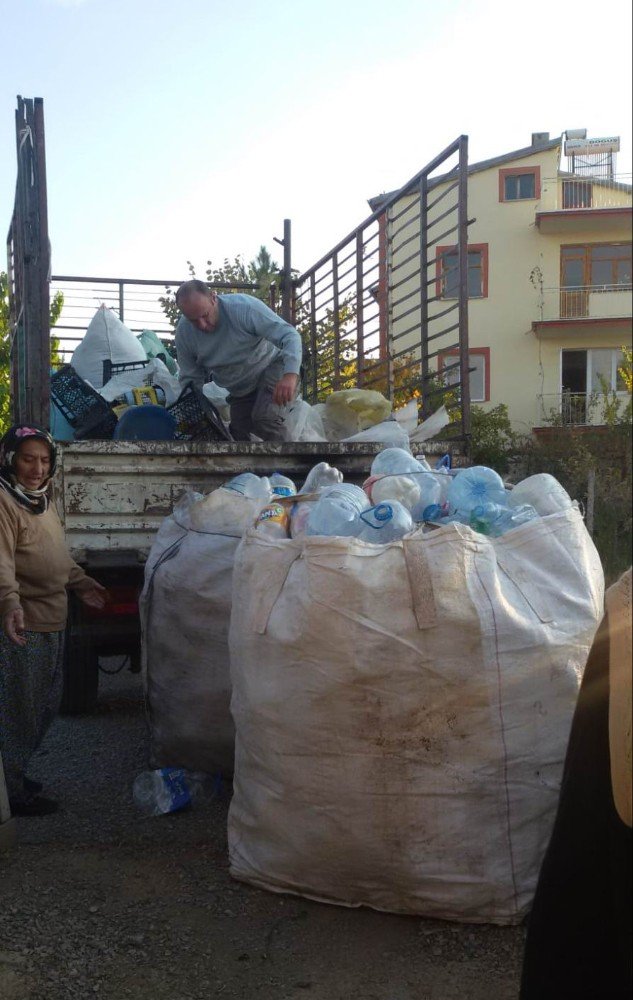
(81, 665)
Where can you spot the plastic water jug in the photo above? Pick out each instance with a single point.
(474, 487)
(386, 522)
(249, 485)
(337, 511)
(394, 461)
(405, 489)
(543, 492)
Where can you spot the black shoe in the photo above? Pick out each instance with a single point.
(36, 805)
(32, 787)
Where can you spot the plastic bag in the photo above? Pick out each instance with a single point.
(304, 422)
(387, 432)
(430, 427)
(219, 397)
(154, 348)
(352, 410)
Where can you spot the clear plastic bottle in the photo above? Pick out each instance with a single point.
(162, 791)
(430, 494)
(495, 520)
(320, 477)
(394, 461)
(249, 485)
(282, 486)
(474, 487)
(386, 522)
(543, 492)
(337, 511)
(404, 489)
(273, 520)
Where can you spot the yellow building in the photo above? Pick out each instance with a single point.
(549, 276)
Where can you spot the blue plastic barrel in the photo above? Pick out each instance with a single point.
(145, 423)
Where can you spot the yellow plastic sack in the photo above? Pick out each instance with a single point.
(352, 410)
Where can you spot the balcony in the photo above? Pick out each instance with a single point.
(588, 309)
(572, 204)
(575, 409)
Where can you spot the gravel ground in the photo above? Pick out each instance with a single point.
(97, 901)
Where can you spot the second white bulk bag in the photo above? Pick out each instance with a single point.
(402, 713)
(185, 609)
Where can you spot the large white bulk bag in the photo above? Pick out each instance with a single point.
(185, 608)
(402, 713)
(106, 339)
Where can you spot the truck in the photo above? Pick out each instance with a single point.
(113, 495)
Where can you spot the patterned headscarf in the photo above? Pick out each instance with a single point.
(34, 500)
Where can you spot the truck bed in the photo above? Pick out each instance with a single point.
(113, 495)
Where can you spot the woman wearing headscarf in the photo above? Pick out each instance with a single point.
(35, 570)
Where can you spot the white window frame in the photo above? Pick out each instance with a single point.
(615, 364)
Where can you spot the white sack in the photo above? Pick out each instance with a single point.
(387, 432)
(402, 713)
(219, 397)
(304, 422)
(431, 426)
(106, 339)
(185, 608)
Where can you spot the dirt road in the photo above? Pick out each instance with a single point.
(97, 901)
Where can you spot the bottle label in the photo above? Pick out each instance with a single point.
(176, 784)
(275, 513)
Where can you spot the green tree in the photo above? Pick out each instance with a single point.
(261, 271)
(56, 307)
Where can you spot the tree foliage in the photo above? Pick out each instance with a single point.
(56, 307)
(262, 272)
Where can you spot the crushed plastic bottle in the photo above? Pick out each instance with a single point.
(495, 520)
(474, 487)
(337, 511)
(394, 461)
(320, 477)
(405, 489)
(162, 791)
(282, 486)
(386, 522)
(249, 485)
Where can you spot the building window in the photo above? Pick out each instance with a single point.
(447, 271)
(591, 370)
(479, 366)
(519, 183)
(597, 264)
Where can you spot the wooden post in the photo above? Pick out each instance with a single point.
(591, 499)
(7, 824)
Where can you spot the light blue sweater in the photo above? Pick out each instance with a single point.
(248, 338)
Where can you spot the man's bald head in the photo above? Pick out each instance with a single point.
(199, 304)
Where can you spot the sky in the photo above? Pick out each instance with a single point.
(190, 130)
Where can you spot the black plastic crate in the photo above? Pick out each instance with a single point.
(83, 407)
(197, 419)
(112, 368)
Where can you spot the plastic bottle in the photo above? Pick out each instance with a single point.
(337, 511)
(430, 494)
(543, 492)
(474, 487)
(494, 520)
(282, 486)
(386, 522)
(299, 517)
(394, 461)
(249, 485)
(162, 791)
(320, 477)
(273, 520)
(404, 489)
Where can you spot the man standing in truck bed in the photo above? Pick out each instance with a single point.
(242, 345)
